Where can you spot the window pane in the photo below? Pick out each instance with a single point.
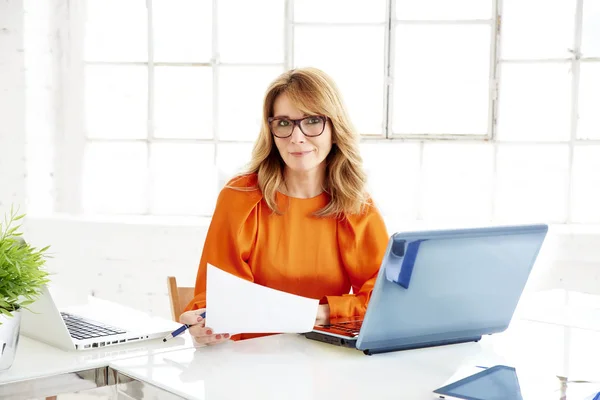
(590, 39)
(116, 102)
(337, 11)
(537, 29)
(184, 179)
(534, 102)
(532, 183)
(393, 171)
(356, 65)
(40, 164)
(183, 102)
(255, 39)
(232, 159)
(241, 92)
(586, 181)
(182, 30)
(443, 9)
(116, 30)
(589, 101)
(448, 97)
(114, 178)
(457, 181)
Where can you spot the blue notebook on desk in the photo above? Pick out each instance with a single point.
(442, 287)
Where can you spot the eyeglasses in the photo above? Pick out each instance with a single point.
(311, 126)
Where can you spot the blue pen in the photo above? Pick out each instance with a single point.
(181, 329)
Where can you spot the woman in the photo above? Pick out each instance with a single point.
(300, 219)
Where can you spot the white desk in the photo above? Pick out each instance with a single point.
(293, 367)
(45, 370)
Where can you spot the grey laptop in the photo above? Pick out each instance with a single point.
(442, 287)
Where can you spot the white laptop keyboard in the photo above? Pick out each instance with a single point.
(81, 328)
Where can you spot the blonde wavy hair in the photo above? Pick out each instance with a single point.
(314, 93)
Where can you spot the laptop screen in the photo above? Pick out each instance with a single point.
(447, 286)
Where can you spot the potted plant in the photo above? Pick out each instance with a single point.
(22, 277)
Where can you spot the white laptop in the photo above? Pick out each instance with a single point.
(98, 324)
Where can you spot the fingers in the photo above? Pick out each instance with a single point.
(192, 317)
(200, 330)
(202, 334)
(211, 339)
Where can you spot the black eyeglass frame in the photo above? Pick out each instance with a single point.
(297, 122)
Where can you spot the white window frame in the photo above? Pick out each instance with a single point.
(493, 22)
(71, 145)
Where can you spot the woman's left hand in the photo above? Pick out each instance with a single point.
(322, 315)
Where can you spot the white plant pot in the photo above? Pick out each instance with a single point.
(9, 338)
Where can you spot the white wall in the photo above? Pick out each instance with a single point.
(12, 104)
(29, 102)
(124, 262)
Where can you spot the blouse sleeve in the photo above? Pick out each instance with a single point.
(362, 240)
(229, 239)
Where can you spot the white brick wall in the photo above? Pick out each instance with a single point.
(43, 98)
(573, 260)
(29, 102)
(12, 105)
(123, 262)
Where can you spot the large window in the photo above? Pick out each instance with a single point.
(470, 110)
(547, 90)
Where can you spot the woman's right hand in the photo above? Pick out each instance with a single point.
(201, 334)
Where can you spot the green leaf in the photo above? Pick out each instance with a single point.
(22, 272)
(5, 312)
(9, 260)
(19, 217)
(11, 232)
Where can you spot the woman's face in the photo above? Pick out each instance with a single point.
(300, 153)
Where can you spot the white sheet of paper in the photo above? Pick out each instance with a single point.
(235, 305)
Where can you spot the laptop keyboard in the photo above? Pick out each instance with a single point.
(81, 328)
(350, 327)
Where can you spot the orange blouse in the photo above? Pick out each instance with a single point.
(320, 258)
